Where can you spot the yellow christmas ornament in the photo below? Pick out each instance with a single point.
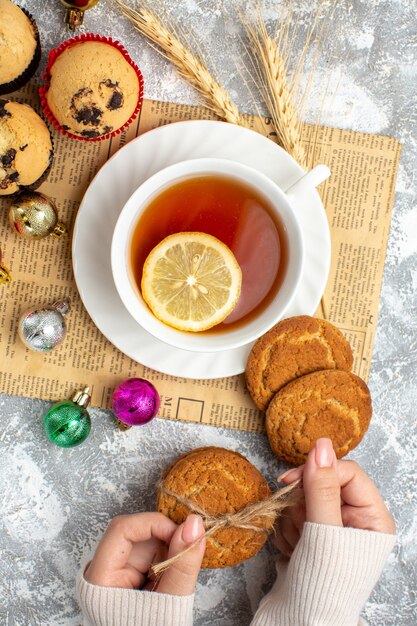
(4, 273)
(34, 216)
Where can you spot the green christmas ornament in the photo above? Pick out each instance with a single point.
(68, 423)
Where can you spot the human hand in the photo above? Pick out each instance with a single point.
(133, 543)
(338, 493)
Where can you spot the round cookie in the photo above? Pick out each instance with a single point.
(219, 481)
(292, 348)
(328, 403)
(25, 148)
(93, 89)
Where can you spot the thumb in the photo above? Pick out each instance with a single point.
(321, 485)
(180, 578)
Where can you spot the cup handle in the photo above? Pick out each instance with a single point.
(314, 177)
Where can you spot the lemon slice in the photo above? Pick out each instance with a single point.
(191, 281)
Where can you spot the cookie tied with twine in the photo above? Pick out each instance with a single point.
(233, 498)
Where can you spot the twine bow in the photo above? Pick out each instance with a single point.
(248, 518)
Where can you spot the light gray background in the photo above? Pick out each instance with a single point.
(55, 503)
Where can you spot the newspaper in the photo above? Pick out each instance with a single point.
(358, 199)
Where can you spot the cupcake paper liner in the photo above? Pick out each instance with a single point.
(43, 90)
(25, 76)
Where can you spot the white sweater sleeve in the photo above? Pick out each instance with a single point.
(108, 606)
(328, 579)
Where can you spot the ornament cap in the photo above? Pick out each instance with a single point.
(122, 425)
(82, 397)
(74, 18)
(75, 11)
(59, 230)
(5, 276)
(62, 306)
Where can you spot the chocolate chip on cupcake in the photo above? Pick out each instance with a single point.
(294, 347)
(219, 481)
(93, 88)
(25, 148)
(20, 50)
(328, 403)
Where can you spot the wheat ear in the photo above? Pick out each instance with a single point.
(270, 77)
(190, 65)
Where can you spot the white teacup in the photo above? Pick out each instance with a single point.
(277, 200)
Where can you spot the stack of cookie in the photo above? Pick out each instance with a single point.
(299, 373)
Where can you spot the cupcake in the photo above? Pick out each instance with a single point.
(20, 49)
(93, 88)
(25, 148)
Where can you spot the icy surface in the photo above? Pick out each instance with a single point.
(55, 503)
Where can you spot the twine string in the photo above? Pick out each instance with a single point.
(248, 518)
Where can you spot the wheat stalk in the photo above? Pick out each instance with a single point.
(280, 103)
(269, 58)
(269, 73)
(190, 64)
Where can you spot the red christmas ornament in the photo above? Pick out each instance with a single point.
(75, 11)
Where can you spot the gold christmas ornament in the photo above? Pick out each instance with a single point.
(75, 11)
(4, 273)
(34, 216)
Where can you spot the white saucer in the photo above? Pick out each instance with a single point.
(115, 183)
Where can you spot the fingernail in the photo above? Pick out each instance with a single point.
(297, 471)
(282, 476)
(192, 529)
(324, 453)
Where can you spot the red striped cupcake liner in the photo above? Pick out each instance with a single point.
(43, 90)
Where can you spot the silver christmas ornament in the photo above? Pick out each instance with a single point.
(44, 328)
